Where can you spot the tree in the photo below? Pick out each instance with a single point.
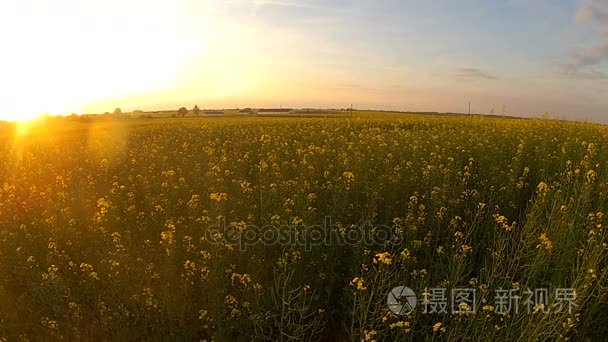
(196, 110)
(182, 112)
(117, 111)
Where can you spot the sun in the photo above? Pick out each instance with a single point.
(68, 58)
(22, 109)
(20, 117)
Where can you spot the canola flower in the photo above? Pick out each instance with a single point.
(406, 326)
(542, 187)
(438, 327)
(369, 336)
(358, 283)
(545, 242)
(218, 197)
(383, 259)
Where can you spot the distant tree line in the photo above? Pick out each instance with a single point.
(183, 111)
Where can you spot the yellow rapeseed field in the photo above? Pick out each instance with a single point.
(298, 228)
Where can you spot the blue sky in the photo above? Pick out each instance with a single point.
(436, 55)
(528, 56)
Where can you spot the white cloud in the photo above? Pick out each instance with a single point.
(587, 63)
(594, 11)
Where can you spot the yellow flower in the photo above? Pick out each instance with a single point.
(464, 307)
(438, 327)
(349, 176)
(194, 200)
(542, 187)
(265, 138)
(218, 196)
(503, 223)
(243, 279)
(545, 242)
(52, 324)
(190, 265)
(369, 336)
(383, 258)
(591, 176)
(51, 273)
(168, 173)
(401, 324)
(569, 324)
(359, 283)
(538, 307)
(466, 249)
(202, 314)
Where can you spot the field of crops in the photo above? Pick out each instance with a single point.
(299, 228)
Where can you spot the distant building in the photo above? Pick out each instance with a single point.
(213, 113)
(274, 111)
(311, 111)
(246, 111)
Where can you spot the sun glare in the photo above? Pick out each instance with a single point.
(70, 57)
(24, 127)
(16, 118)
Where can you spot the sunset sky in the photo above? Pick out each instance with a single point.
(530, 56)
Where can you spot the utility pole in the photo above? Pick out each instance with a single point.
(351, 110)
(469, 107)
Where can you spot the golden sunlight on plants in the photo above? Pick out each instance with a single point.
(297, 228)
